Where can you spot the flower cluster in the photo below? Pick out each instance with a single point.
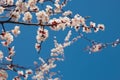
(21, 6)
(76, 22)
(96, 47)
(22, 74)
(15, 15)
(57, 54)
(58, 6)
(61, 23)
(49, 10)
(32, 5)
(42, 35)
(98, 27)
(44, 68)
(42, 17)
(7, 37)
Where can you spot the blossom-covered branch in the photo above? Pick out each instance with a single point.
(53, 16)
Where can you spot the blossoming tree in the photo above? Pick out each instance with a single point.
(45, 15)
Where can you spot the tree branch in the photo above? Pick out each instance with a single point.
(23, 23)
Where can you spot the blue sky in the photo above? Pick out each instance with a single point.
(78, 64)
(104, 65)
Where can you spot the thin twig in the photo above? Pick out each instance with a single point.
(3, 27)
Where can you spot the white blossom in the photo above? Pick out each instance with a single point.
(41, 59)
(38, 76)
(65, 20)
(68, 36)
(1, 55)
(16, 30)
(67, 13)
(15, 15)
(77, 20)
(1, 10)
(42, 16)
(49, 10)
(54, 24)
(92, 24)
(45, 67)
(25, 76)
(21, 6)
(8, 59)
(37, 46)
(27, 16)
(58, 24)
(59, 49)
(101, 27)
(32, 3)
(51, 65)
(9, 2)
(48, 7)
(96, 48)
(29, 71)
(4, 43)
(86, 29)
(20, 72)
(67, 44)
(42, 35)
(34, 8)
(8, 37)
(114, 44)
(57, 5)
(96, 29)
(11, 51)
(58, 8)
(54, 54)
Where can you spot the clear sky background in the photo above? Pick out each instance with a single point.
(78, 64)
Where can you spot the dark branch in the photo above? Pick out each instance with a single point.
(23, 23)
(3, 27)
